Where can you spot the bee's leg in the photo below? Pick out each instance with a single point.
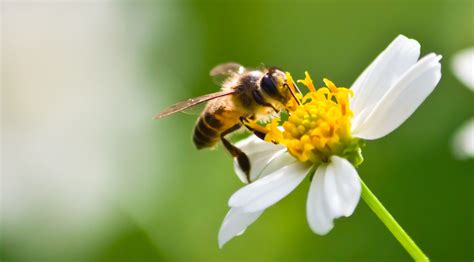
(241, 157)
(259, 134)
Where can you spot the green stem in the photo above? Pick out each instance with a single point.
(392, 225)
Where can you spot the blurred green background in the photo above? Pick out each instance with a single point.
(163, 199)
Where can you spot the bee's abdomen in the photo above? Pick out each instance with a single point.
(207, 131)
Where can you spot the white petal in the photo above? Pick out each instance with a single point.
(235, 223)
(348, 184)
(334, 192)
(463, 67)
(259, 153)
(401, 100)
(260, 161)
(360, 118)
(270, 189)
(463, 141)
(254, 144)
(278, 160)
(383, 72)
(317, 213)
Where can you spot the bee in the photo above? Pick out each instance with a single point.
(245, 94)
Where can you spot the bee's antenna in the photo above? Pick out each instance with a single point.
(297, 89)
(293, 93)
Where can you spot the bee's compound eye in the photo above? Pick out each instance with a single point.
(268, 85)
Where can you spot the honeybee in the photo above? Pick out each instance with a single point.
(245, 94)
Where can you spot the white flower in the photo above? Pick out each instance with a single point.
(385, 95)
(463, 67)
(463, 140)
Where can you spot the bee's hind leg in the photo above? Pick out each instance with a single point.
(257, 133)
(241, 157)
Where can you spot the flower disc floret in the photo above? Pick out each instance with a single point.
(319, 126)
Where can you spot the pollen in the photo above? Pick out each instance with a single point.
(319, 126)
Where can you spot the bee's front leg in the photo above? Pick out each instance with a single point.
(259, 133)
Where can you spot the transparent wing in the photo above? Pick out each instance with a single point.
(192, 102)
(194, 110)
(223, 71)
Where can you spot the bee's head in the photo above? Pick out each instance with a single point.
(273, 84)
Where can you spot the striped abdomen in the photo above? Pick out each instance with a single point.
(208, 129)
(211, 124)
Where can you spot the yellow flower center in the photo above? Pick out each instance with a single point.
(318, 125)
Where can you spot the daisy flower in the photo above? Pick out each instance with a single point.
(322, 138)
(463, 68)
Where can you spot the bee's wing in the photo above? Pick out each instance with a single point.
(194, 110)
(178, 107)
(223, 71)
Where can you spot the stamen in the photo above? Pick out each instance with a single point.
(308, 82)
(330, 85)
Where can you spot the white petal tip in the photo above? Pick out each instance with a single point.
(321, 228)
(234, 224)
(322, 231)
(349, 213)
(402, 37)
(222, 242)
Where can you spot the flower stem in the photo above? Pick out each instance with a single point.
(392, 225)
